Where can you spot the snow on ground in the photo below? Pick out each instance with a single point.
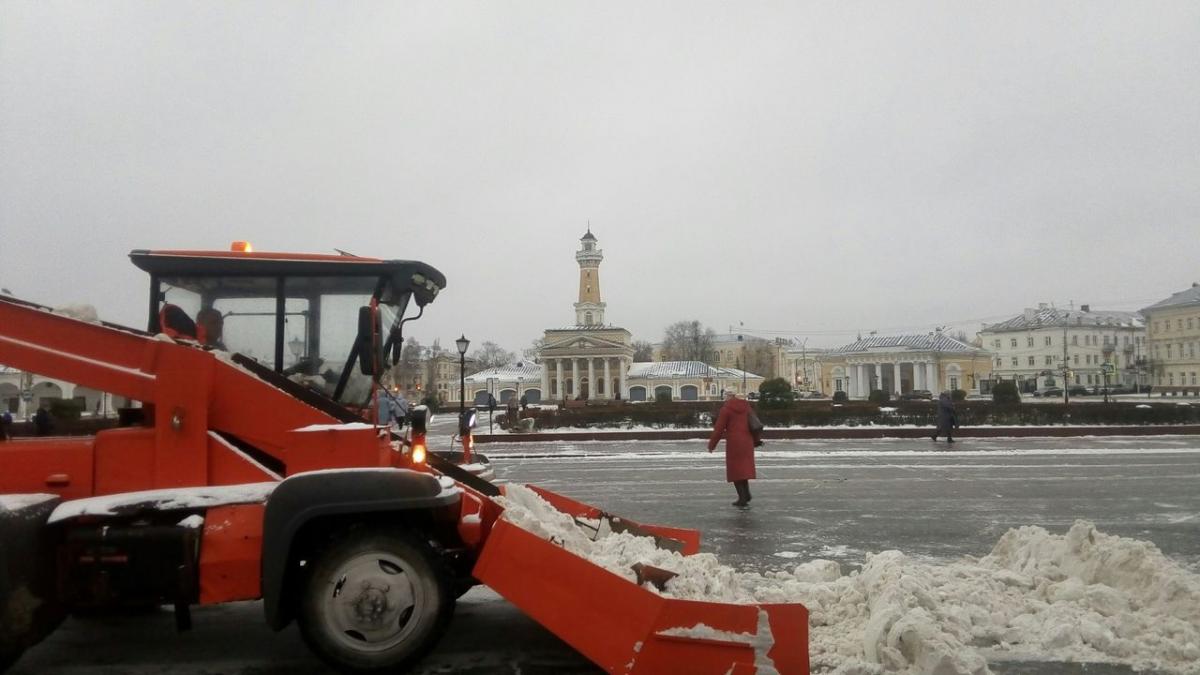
(1080, 596)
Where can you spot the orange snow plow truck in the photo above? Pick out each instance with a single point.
(249, 463)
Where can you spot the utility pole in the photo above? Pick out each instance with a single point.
(1066, 364)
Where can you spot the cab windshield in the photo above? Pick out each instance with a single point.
(305, 328)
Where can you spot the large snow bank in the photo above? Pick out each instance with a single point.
(1081, 596)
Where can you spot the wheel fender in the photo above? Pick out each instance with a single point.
(28, 606)
(306, 496)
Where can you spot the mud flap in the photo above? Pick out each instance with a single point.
(29, 610)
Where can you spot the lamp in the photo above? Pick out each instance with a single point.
(462, 344)
(296, 345)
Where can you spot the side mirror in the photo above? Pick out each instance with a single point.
(366, 335)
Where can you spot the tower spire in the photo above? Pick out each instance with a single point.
(589, 310)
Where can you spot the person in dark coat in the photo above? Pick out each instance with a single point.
(733, 424)
(947, 420)
(41, 422)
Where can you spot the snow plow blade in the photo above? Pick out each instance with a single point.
(625, 628)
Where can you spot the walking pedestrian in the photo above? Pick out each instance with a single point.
(947, 419)
(5, 423)
(393, 408)
(733, 423)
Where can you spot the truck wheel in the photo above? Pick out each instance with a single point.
(375, 602)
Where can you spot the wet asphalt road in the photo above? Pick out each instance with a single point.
(831, 499)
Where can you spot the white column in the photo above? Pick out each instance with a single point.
(896, 377)
(919, 377)
(848, 384)
(861, 381)
(575, 376)
(607, 380)
(931, 373)
(546, 381)
(591, 378)
(621, 373)
(558, 377)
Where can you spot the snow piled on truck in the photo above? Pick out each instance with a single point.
(169, 499)
(1079, 596)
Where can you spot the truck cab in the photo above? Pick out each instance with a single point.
(331, 323)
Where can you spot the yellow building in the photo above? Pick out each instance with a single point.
(901, 364)
(1173, 327)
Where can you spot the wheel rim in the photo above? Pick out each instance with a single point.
(373, 602)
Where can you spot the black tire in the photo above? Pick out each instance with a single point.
(376, 602)
(7, 658)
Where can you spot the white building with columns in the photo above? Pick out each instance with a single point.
(591, 359)
(900, 364)
(22, 393)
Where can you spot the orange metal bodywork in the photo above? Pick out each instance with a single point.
(619, 624)
(191, 398)
(229, 556)
(200, 408)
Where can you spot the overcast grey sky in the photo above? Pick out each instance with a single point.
(809, 167)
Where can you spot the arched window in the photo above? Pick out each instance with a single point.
(587, 318)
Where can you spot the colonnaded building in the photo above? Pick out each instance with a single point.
(591, 360)
(900, 364)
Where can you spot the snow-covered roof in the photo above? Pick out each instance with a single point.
(665, 370)
(1190, 296)
(526, 370)
(586, 327)
(931, 342)
(725, 338)
(1049, 317)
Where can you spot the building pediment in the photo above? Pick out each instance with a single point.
(578, 343)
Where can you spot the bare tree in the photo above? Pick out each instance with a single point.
(643, 351)
(758, 357)
(412, 359)
(689, 341)
(534, 350)
(491, 355)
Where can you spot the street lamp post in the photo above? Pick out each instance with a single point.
(462, 344)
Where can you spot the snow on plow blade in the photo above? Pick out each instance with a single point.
(626, 628)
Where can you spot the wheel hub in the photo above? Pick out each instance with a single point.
(371, 602)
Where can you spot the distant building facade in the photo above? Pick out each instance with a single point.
(22, 393)
(1030, 348)
(687, 381)
(900, 364)
(1174, 342)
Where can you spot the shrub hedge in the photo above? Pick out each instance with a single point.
(690, 415)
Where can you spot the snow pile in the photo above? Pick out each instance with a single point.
(79, 312)
(1081, 596)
